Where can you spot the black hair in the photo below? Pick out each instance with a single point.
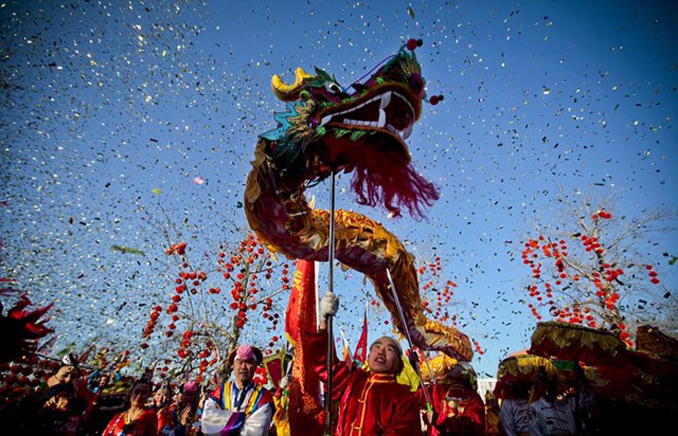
(164, 386)
(141, 381)
(399, 364)
(77, 405)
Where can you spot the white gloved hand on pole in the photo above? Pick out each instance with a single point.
(284, 382)
(329, 305)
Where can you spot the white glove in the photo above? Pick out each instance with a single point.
(329, 305)
(284, 382)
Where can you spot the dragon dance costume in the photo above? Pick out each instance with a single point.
(370, 404)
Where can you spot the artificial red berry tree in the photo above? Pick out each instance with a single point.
(438, 296)
(592, 272)
(209, 310)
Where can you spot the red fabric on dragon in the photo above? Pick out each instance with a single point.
(324, 129)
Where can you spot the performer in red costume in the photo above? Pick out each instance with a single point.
(458, 409)
(371, 402)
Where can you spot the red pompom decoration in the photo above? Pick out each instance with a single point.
(412, 44)
(435, 99)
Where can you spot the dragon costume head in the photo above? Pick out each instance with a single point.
(327, 128)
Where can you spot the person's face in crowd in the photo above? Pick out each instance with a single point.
(162, 396)
(383, 356)
(67, 375)
(103, 381)
(244, 370)
(140, 394)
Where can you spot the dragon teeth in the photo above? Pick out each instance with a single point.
(385, 100)
(382, 118)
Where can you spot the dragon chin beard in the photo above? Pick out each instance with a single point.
(393, 182)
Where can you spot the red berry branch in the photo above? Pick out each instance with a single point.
(437, 295)
(589, 282)
(212, 322)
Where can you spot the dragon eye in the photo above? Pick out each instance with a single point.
(333, 88)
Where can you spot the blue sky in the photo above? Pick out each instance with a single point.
(105, 101)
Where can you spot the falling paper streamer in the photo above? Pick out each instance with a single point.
(204, 119)
(198, 180)
(123, 249)
(410, 12)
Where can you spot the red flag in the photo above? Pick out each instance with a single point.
(306, 414)
(300, 313)
(274, 367)
(361, 348)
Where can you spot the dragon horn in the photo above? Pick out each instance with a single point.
(289, 92)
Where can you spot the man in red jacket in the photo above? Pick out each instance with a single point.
(371, 402)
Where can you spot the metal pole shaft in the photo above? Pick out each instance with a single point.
(409, 338)
(330, 333)
(331, 243)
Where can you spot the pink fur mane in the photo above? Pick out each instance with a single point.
(394, 182)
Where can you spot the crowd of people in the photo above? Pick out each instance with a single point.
(368, 400)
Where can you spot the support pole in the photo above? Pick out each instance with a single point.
(330, 334)
(409, 340)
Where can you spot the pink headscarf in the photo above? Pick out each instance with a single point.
(190, 386)
(245, 352)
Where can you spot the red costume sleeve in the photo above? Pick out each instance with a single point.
(216, 393)
(341, 371)
(266, 398)
(421, 399)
